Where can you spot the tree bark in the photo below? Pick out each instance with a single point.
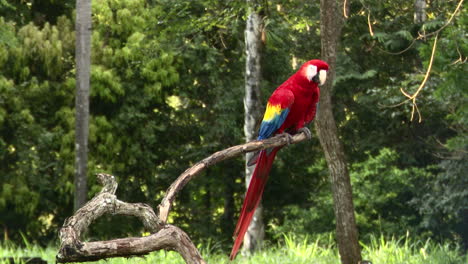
(252, 107)
(346, 230)
(83, 65)
(419, 11)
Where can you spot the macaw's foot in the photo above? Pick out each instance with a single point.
(288, 137)
(306, 131)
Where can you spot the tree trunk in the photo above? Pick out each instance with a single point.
(253, 44)
(83, 64)
(346, 230)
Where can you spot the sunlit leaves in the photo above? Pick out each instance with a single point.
(106, 84)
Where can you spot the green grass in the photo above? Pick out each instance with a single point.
(407, 251)
(291, 251)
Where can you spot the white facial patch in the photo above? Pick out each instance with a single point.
(311, 72)
(322, 76)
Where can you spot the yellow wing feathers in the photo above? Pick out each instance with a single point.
(272, 111)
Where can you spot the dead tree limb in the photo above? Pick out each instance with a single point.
(167, 237)
(163, 236)
(186, 176)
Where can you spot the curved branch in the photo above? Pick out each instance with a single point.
(412, 97)
(164, 236)
(185, 177)
(445, 25)
(106, 202)
(167, 237)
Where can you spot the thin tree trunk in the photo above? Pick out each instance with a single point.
(253, 44)
(419, 11)
(346, 230)
(83, 64)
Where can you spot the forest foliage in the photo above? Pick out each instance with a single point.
(167, 90)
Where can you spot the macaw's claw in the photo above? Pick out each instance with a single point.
(288, 137)
(306, 131)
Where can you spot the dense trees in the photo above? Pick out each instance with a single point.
(167, 82)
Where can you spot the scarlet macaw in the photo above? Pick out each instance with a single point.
(291, 106)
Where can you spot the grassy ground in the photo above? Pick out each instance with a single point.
(292, 251)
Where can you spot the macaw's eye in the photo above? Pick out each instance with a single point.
(311, 72)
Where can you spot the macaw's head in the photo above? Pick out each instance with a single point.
(315, 71)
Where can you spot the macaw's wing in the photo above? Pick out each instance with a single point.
(276, 112)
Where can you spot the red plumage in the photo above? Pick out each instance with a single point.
(253, 197)
(291, 106)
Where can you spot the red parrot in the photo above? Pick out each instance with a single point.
(291, 106)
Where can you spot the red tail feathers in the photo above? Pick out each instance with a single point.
(253, 196)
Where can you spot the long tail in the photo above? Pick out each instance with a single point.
(253, 196)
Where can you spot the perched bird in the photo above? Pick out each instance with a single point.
(291, 106)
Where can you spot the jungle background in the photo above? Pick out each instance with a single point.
(167, 84)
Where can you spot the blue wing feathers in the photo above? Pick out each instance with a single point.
(268, 128)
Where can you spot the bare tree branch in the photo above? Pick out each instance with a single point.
(228, 153)
(168, 238)
(164, 236)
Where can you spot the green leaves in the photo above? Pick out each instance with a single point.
(383, 193)
(106, 85)
(433, 24)
(355, 75)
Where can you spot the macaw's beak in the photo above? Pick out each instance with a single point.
(322, 76)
